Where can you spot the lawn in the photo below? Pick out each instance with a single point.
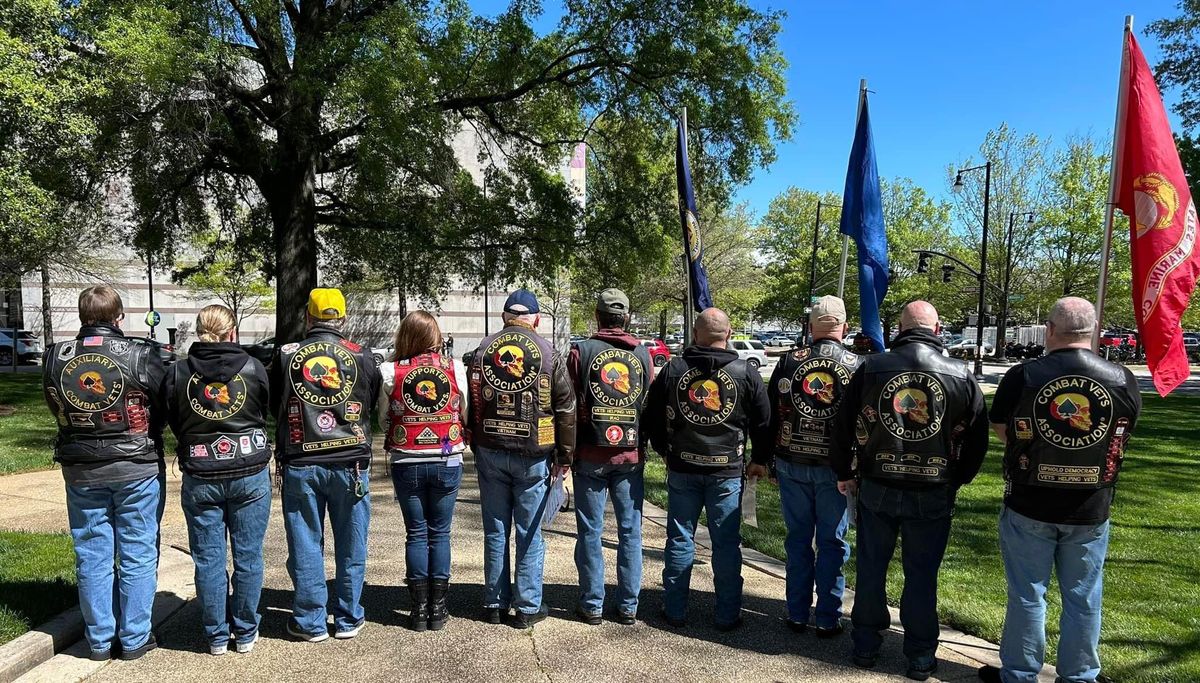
(26, 436)
(37, 580)
(1151, 628)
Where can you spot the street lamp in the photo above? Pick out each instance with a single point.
(812, 272)
(987, 196)
(1002, 323)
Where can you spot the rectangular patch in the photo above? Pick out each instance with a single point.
(244, 445)
(705, 460)
(353, 411)
(1023, 428)
(82, 420)
(334, 443)
(1068, 474)
(545, 431)
(93, 341)
(506, 428)
(914, 470)
(111, 416)
(200, 451)
(427, 437)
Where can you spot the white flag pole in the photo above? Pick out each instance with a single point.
(1113, 181)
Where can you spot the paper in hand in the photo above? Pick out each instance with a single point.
(750, 502)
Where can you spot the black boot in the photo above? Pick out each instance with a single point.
(438, 614)
(418, 590)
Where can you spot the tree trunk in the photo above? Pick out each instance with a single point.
(662, 324)
(47, 314)
(401, 298)
(290, 197)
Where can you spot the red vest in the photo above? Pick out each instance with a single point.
(425, 406)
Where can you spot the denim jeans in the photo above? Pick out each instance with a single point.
(811, 503)
(1031, 550)
(721, 498)
(512, 496)
(116, 521)
(426, 493)
(921, 518)
(592, 484)
(308, 491)
(237, 508)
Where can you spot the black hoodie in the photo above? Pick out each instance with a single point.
(756, 409)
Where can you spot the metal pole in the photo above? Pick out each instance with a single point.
(1002, 323)
(987, 197)
(688, 306)
(150, 284)
(1113, 169)
(487, 276)
(812, 272)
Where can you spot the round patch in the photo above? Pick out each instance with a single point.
(821, 382)
(511, 362)
(785, 386)
(426, 389)
(454, 432)
(92, 382)
(1073, 412)
(326, 421)
(706, 400)
(614, 434)
(323, 374)
(216, 401)
(912, 406)
(615, 378)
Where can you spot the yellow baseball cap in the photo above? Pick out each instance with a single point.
(326, 304)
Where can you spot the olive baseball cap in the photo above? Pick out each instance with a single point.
(612, 300)
(827, 312)
(326, 304)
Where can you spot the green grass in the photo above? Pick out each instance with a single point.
(37, 580)
(1151, 625)
(26, 436)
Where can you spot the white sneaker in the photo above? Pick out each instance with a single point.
(245, 648)
(218, 650)
(306, 637)
(350, 632)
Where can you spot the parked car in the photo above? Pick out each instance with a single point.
(263, 350)
(381, 353)
(780, 340)
(29, 349)
(659, 353)
(750, 350)
(1118, 338)
(965, 348)
(1191, 346)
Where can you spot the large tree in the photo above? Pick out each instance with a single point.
(340, 117)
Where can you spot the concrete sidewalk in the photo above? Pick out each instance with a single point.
(560, 648)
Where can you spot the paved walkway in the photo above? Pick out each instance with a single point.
(560, 648)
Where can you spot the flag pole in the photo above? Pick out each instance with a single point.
(1113, 170)
(862, 94)
(688, 312)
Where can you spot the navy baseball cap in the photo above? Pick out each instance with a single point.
(521, 302)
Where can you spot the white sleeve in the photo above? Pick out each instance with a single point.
(460, 378)
(388, 370)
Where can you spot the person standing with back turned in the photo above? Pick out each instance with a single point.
(1065, 420)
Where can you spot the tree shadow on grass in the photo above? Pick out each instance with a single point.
(36, 602)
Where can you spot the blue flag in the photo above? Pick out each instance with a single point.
(862, 220)
(692, 246)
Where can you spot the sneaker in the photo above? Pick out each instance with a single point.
(589, 618)
(347, 634)
(921, 671)
(523, 621)
(625, 618)
(673, 622)
(137, 652)
(494, 615)
(218, 649)
(731, 626)
(797, 626)
(295, 631)
(989, 674)
(246, 647)
(829, 631)
(101, 655)
(864, 660)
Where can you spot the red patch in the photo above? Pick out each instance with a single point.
(350, 345)
(111, 416)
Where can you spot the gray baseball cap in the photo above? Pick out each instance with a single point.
(612, 300)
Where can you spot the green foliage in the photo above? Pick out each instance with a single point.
(37, 580)
(26, 436)
(228, 274)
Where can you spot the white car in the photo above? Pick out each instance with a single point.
(965, 348)
(780, 340)
(751, 351)
(381, 354)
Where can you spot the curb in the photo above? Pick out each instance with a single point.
(31, 649)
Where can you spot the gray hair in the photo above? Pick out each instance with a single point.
(337, 324)
(1073, 318)
(529, 319)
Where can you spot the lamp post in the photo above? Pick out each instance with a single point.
(1002, 323)
(987, 196)
(812, 270)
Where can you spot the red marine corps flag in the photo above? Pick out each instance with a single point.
(1149, 186)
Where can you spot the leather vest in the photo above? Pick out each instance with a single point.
(913, 414)
(510, 392)
(810, 385)
(223, 425)
(705, 413)
(98, 388)
(614, 382)
(425, 407)
(326, 399)
(1071, 423)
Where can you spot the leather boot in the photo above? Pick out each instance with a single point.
(438, 614)
(418, 591)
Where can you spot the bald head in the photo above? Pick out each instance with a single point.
(711, 328)
(1072, 322)
(919, 314)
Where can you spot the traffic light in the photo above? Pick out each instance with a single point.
(923, 263)
(947, 271)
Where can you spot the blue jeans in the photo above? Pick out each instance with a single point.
(721, 498)
(308, 491)
(426, 493)
(1031, 550)
(237, 508)
(512, 496)
(116, 521)
(592, 484)
(811, 504)
(921, 518)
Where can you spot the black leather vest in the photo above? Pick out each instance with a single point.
(810, 385)
(326, 399)
(98, 388)
(913, 413)
(1071, 424)
(223, 425)
(614, 382)
(706, 413)
(510, 392)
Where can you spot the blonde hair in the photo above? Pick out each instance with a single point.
(215, 323)
(418, 333)
(100, 304)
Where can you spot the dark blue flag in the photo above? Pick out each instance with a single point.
(692, 246)
(862, 220)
